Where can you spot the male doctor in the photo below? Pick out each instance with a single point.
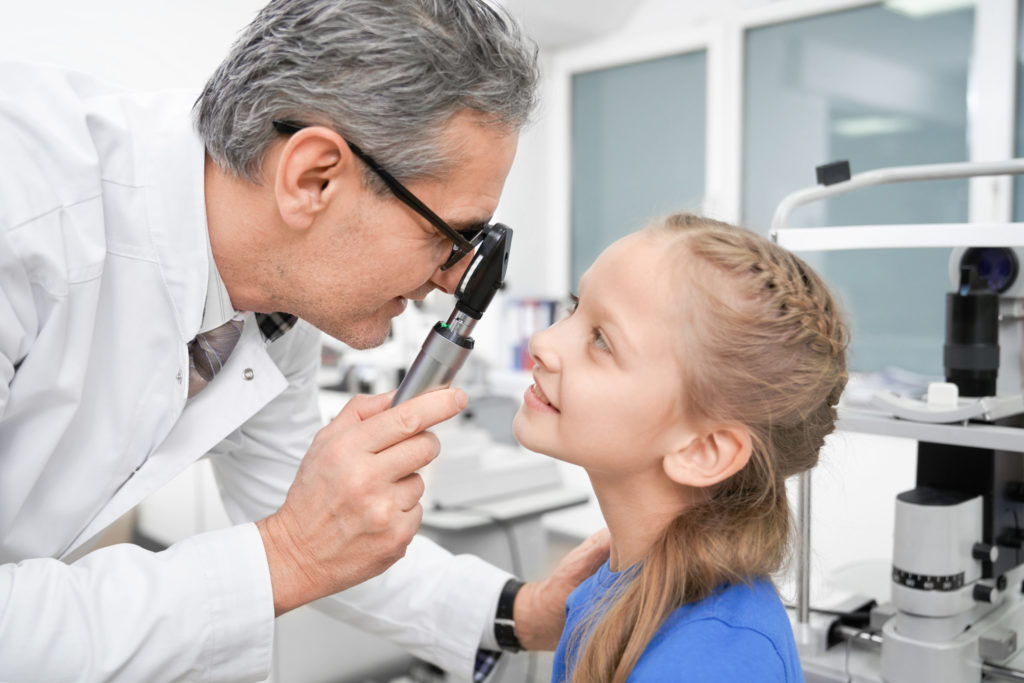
(161, 292)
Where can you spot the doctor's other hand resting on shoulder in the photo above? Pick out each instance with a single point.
(167, 265)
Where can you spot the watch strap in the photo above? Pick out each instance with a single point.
(504, 622)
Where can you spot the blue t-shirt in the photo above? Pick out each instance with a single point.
(739, 633)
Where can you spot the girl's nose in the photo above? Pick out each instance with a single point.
(543, 348)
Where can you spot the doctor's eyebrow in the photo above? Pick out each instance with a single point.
(471, 225)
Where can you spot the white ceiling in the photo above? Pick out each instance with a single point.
(559, 23)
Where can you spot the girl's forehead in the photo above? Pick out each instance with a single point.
(623, 249)
(643, 260)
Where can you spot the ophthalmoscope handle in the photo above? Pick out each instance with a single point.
(448, 344)
(442, 355)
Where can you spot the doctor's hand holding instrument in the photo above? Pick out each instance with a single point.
(355, 503)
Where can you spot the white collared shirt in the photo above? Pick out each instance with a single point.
(218, 308)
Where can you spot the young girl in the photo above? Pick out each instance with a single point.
(699, 369)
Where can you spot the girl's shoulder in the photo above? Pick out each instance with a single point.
(741, 632)
(593, 588)
(753, 605)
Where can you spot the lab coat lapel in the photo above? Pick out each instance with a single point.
(249, 380)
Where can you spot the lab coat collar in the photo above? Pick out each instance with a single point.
(172, 165)
(171, 160)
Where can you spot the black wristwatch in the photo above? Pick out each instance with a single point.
(504, 622)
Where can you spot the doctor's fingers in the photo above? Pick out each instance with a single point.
(396, 425)
(408, 492)
(383, 517)
(406, 526)
(359, 408)
(406, 457)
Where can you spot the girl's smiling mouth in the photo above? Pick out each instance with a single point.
(537, 399)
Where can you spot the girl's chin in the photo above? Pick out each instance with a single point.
(521, 430)
(518, 426)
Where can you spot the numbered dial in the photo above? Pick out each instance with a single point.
(927, 582)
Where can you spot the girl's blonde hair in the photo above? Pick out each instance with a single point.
(765, 347)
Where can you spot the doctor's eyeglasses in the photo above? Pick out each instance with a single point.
(463, 241)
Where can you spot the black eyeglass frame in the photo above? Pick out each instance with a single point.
(462, 243)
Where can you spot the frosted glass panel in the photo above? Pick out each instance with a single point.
(637, 148)
(880, 89)
(1018, 181)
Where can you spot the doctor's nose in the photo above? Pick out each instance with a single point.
(448, 280)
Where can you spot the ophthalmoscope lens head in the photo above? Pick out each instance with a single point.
(486, 272)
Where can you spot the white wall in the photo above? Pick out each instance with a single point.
(525, 201)
(142, 45)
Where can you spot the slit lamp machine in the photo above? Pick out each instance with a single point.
(956, 609)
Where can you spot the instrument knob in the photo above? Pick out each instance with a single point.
(985, 552)
(986, 593)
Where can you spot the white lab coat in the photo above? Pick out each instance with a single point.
(103, 276)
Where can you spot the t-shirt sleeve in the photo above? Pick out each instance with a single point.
(710, 651)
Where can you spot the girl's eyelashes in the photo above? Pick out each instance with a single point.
(596, 336)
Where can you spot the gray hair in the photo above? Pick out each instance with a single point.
(388, 75)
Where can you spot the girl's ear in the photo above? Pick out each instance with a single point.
(711, 457)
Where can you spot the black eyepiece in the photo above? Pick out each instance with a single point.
(486, 272)
(971, 352)
(997, 267)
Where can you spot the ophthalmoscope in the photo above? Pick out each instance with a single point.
(448, 344)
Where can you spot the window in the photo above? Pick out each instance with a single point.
(880, 88)
(1018, 181)
(637, 148)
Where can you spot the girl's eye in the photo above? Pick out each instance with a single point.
(596, 336)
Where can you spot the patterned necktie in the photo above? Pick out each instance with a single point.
(208, 352)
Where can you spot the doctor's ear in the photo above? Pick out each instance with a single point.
(310, 168)
(710, 457)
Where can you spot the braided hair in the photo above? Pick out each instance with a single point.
(766, 348)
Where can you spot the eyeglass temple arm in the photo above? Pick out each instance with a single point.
(463, 245)
(412, 200)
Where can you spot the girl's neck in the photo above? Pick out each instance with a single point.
(637, 509)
